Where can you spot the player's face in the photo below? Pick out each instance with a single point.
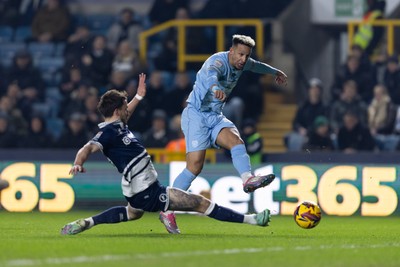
(123, 112)
(238, 55)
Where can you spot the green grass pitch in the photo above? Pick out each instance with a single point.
(33, 239)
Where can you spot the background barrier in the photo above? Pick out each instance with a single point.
(340, 189)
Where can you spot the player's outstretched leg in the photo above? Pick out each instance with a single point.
(257, 181)
(169, 220)
(183, 201)
(112, 215)
(75, 227)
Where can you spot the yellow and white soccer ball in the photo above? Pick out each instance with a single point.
(307, 214)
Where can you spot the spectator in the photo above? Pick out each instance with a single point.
(175, 100)
(156, 93)
(391, 78)
(8, 137)
(76, 101)
(51, 23)
(306, 115)
(78, 44)
(157, 136)
(29, 80)
(368, 37)
(253, 141)
(19, 12)
(125, 29)
(351, 70)
(349, 101)
(75, 134)
(167, 59)
(120, 82)
(319, 136)
(37, 136)
(381, 119)
(126, 60)
(97, 63)
(92, 114)
(354, 136)
(164, 10)
(176, 145)
(70, 82)
(14, 116)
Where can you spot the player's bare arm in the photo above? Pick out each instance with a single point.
(82, 156)
(141, 92)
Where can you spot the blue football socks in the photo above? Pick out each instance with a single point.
(112, 215)
(184, 180)
(240, 159)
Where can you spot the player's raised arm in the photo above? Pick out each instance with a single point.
(141, 92)
(82, 156)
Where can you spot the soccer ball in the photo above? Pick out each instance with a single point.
(307, 214)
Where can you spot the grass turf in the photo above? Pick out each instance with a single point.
(33, 239)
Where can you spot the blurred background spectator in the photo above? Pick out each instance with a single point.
(51, 22)
(127, 28)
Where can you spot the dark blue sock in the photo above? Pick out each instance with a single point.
(226, 215)
(112, 215)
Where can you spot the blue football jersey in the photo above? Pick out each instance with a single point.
(217, 70)
(127, 154)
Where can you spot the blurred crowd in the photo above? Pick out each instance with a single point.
(55, 65)
(363, 110)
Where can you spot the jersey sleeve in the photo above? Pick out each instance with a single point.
(214, 70)
(259, 67)
(101, 139)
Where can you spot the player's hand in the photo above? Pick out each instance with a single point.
(142, 85)
(219, 94)
(281, 78)
(76, 168)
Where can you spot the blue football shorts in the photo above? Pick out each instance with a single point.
(201, 128)
(154, 198)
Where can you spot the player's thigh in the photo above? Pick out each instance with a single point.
(180, 200)
(228, 138)
(197, 132)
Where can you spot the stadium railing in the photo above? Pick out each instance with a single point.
(181, 26)
(160, 155)
(389, 24)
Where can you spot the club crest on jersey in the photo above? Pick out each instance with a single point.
(126, 140)
(163, 197)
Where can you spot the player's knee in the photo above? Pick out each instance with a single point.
(134, 214)
(195, 167)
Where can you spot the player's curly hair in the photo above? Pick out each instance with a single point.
(110, 101)
(244, 40)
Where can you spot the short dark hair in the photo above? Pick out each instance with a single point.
(110, 101)
(244, 40)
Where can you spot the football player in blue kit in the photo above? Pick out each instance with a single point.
(139, 183)
(205, 126)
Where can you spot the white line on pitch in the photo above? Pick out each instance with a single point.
(104, 258)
